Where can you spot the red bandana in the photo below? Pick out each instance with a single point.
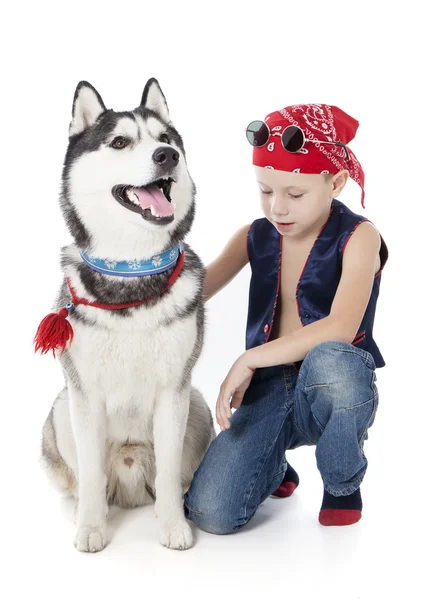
(319, 122)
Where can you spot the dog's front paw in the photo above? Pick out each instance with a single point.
(90, 539)
(177, 536)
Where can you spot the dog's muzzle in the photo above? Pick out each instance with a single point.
(153, 202)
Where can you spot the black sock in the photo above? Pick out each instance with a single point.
(291, 475)
(351, 502)
(340, 510)
(288, 484)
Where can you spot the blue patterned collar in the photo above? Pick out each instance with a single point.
(134, 268)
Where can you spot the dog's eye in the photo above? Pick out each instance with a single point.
(119, 143)
(164, 138)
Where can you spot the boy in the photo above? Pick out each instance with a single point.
(308, 374)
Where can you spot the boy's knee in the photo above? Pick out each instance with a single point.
(210, 524)
(331, 356)
(218, 523)
(339, 376)
(212, 516)
(329, 349)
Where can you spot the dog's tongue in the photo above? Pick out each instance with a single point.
(151, 194)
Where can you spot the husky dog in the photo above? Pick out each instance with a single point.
(128, 428)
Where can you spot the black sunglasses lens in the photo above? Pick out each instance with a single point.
(257, 133)
(292, 138)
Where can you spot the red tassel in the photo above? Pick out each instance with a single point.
(54, 331)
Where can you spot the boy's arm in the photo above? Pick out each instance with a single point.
(226, 266)
(347, 311)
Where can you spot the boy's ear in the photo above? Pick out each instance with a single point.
(338, 182)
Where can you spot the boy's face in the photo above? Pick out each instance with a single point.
(301, 199)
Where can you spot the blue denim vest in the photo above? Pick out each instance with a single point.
(318, 282)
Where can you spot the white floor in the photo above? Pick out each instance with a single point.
(283, 552)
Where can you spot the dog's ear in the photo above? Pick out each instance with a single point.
(86, 108)
(153, 99)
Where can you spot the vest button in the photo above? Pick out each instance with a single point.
(307, 315)
(266, 328)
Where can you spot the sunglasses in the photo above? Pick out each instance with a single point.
(292, 138)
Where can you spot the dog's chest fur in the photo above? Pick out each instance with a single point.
(125, 361)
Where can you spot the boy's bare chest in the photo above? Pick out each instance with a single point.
(286, 317)
(292, 265)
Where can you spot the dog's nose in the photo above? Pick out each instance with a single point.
(166, 157)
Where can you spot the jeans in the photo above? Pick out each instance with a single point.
(330, 402)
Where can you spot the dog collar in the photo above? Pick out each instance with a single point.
(55, 331)
(134, 268)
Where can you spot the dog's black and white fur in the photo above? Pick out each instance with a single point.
(128, 428)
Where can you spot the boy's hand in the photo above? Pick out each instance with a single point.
(234, 385)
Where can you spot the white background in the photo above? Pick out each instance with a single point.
(220, 66)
